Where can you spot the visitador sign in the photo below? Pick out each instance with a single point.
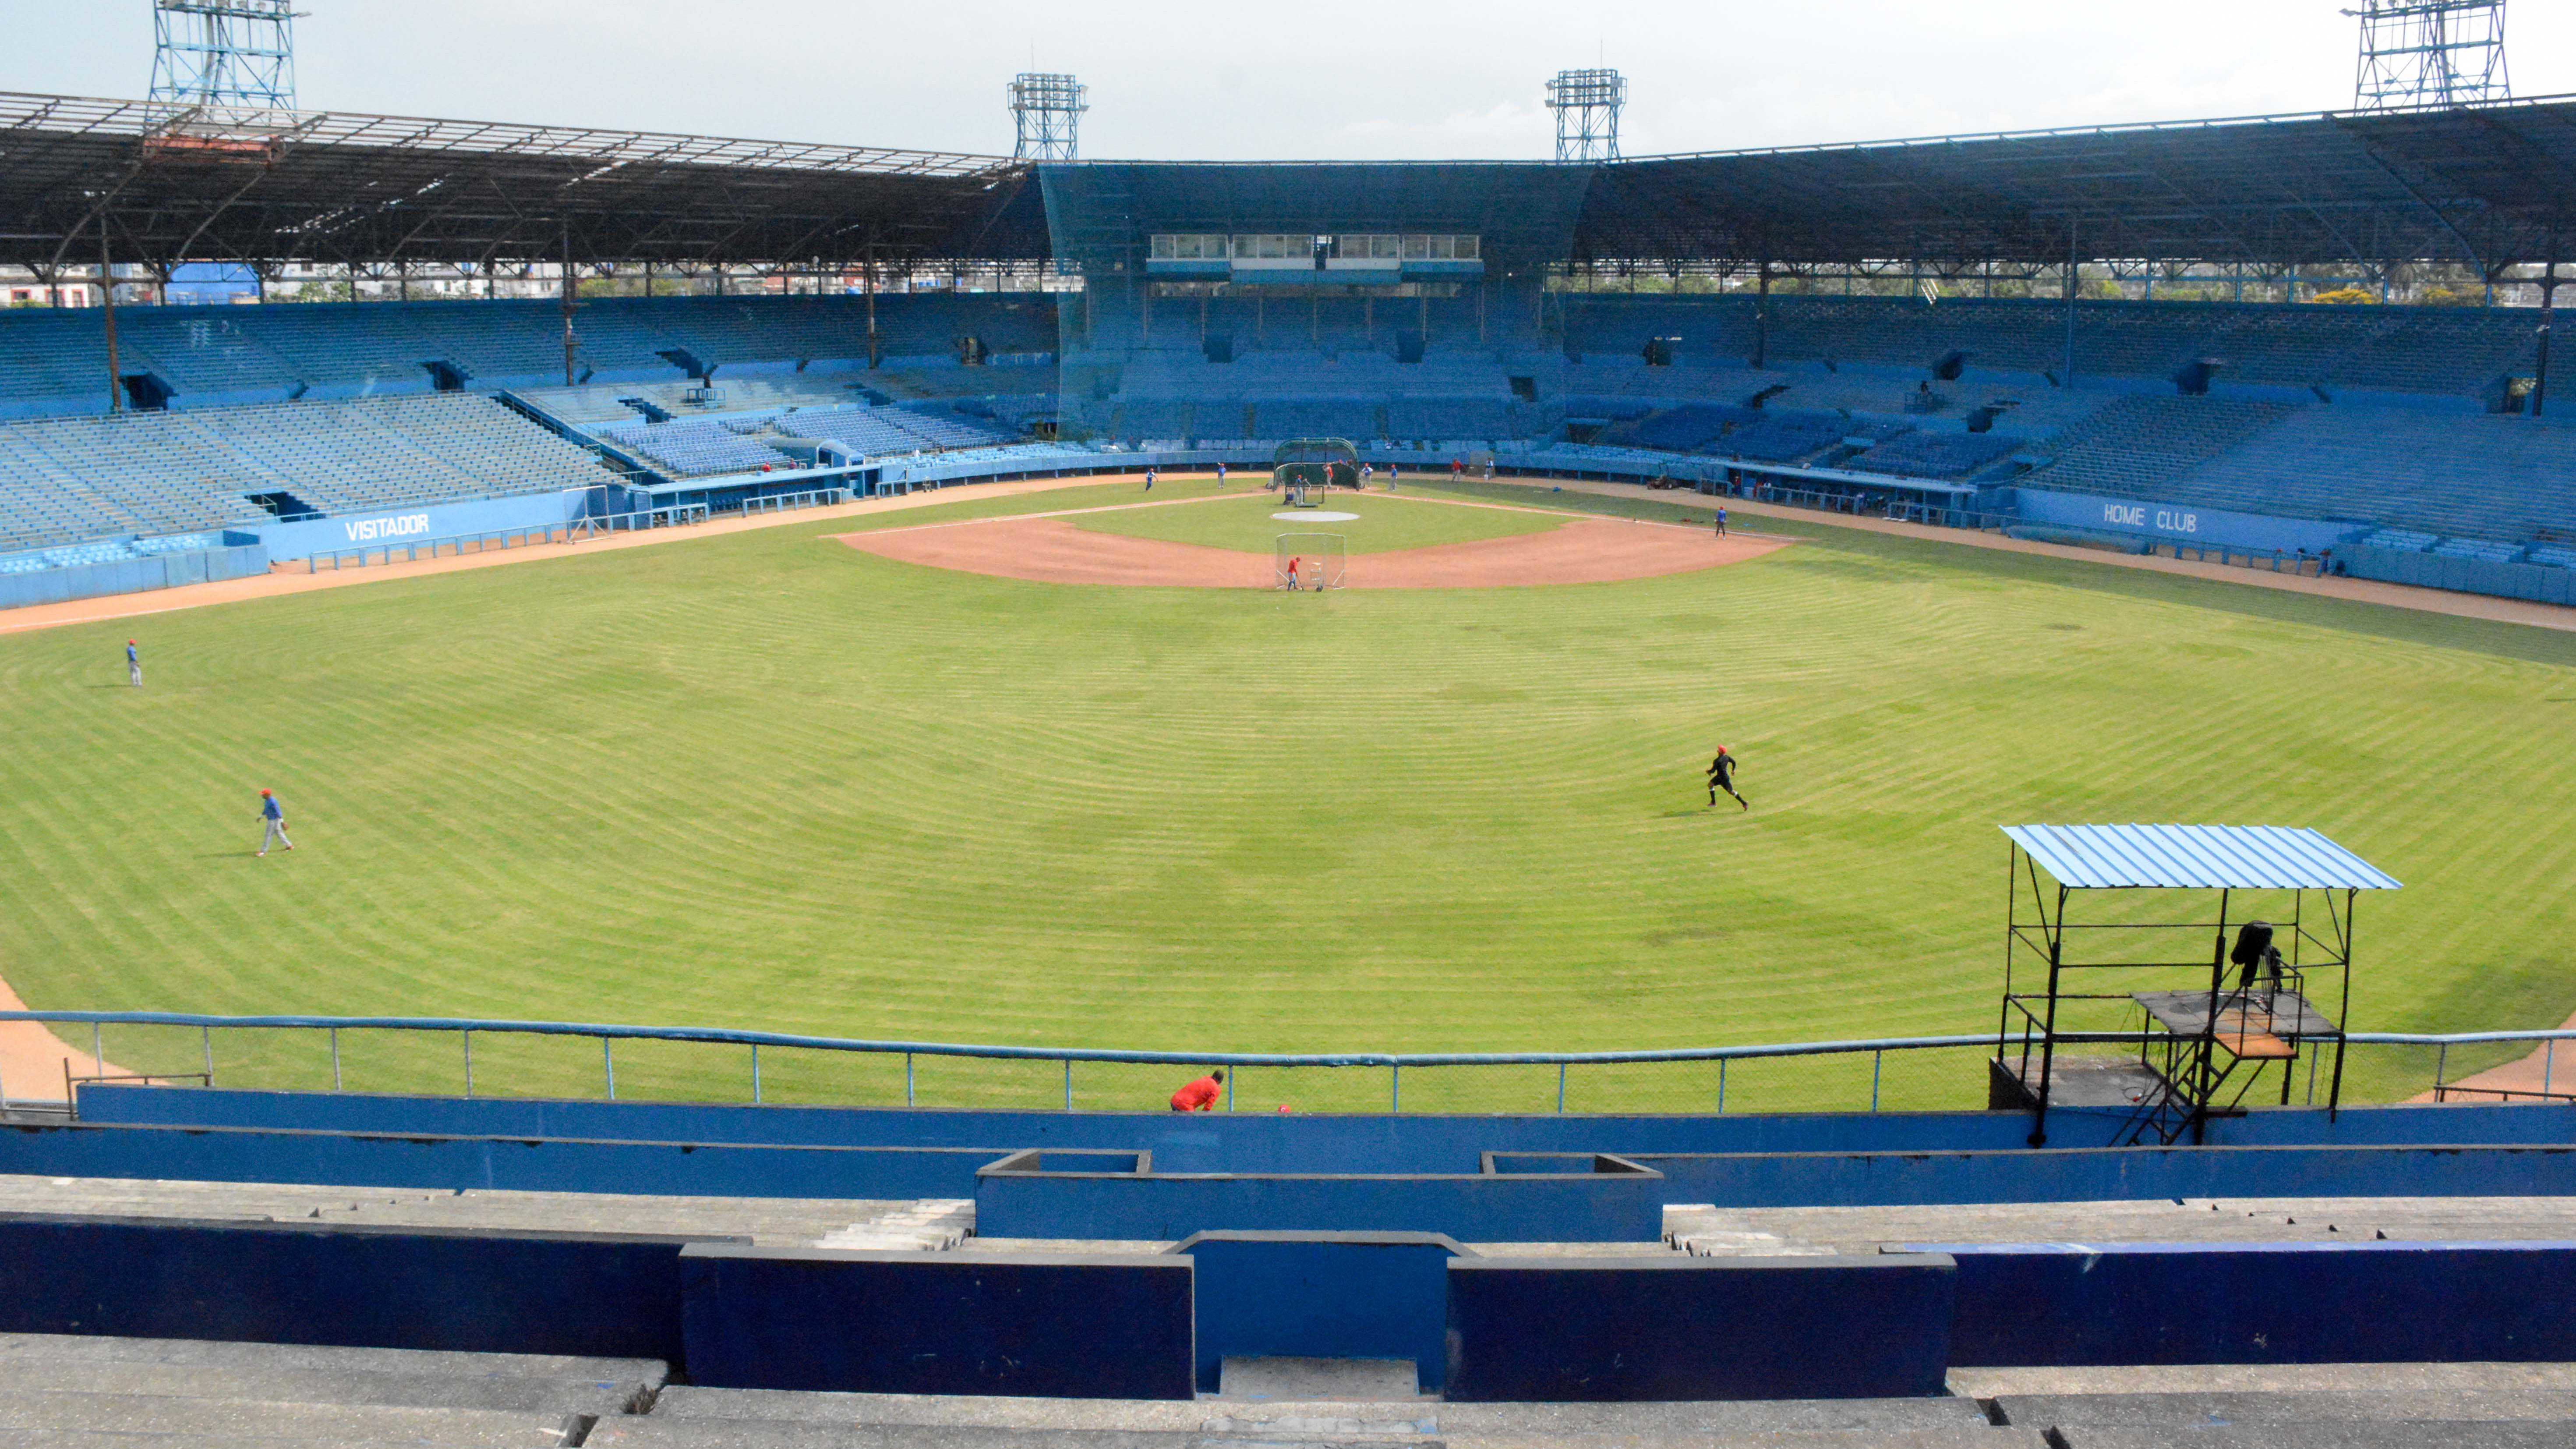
(2179, 523)
(396, 527)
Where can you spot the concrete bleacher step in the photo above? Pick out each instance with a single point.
(114, 1440)
(496, 1392)
(2175, 1412)
(32, 1352)
(1305, 1433)
(699, 1418)
(2088, 1380)
(2413, 1434)
(65, 1392)
(192, 1421)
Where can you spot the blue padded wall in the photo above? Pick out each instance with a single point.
(2148, 1303)
(425, 1288)
(1039, 1325)
(228, 1154)
(1572, 1330)
(1607, 1207)
(1323, 1295)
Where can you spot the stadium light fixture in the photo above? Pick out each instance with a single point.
(1587, 105)
(1047, 110)
(2421, 53)
(224, 53)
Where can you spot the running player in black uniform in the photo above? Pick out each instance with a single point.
(1721, 776)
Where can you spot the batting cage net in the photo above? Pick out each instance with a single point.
(1315, 464)
(1312, 561)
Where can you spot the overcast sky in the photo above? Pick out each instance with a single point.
(1304, 79)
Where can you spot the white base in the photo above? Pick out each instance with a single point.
(1309, 515)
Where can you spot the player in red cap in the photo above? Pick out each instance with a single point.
(1721, 776)
(272, 817)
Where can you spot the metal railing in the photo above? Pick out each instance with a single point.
(784, 502)
(1934, 515)
(1959, 1083)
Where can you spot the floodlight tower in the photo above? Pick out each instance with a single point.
(1587, 105)
(2430, 53)
(1049, 111)
(227, 54)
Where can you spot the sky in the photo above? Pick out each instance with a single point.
(1311, 79)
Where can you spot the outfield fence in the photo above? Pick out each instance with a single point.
(463, 1057)
(529, 536)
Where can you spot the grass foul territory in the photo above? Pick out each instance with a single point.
(769, 781)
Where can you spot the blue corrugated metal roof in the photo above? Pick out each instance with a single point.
(2237, 857)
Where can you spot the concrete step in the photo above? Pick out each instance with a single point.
(661, 1433)
(2411, 1434)
(1392, 1381)
(49, 1348)
(1443, 1420)
(504, 1393)
(193, 1420)
(82, 1439)
(2222, 1410)
(2378, 1378)
(933, 1225)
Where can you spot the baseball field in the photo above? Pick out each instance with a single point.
(773, 780)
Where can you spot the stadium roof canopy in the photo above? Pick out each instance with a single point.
(336, 187)
(2202, 857)
(2487, 186)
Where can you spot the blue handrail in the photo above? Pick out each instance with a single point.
(734, 1037)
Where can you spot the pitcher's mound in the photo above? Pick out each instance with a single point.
(1053, 551)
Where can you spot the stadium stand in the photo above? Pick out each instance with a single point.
(54, 361)
(1928, 454)
(68, 479)
(2473, 474)
(2454, 352)
(2139, 445)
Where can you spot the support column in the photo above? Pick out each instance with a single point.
(2073, 273)
(107, 296)
(572, 341)
(1762, 318)
(2548, 311)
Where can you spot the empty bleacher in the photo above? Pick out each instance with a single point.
(69, 479)
(2475, 475)
(698, 447)
(53, 361)
(1925, 453)
(751, 442)
(2454, 352)
(2139, 445)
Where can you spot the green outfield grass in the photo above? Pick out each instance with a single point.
(766, 780)
(1385, 524)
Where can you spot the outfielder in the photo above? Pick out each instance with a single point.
(273, 817)
(1721, 776)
